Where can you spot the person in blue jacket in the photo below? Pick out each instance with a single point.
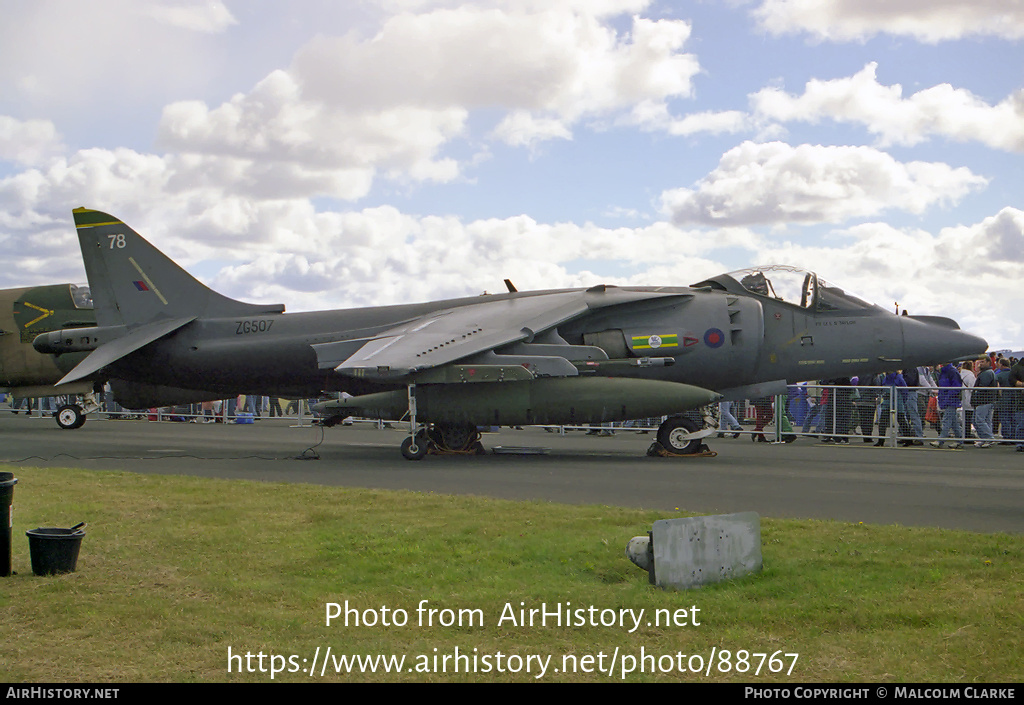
(891, 379)
(949, 382)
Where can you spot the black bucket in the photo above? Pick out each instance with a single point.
(54, 551)
(7, 483)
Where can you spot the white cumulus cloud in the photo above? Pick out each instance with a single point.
(776, 183)
(28, 142)
(940, 110)
(925, 20)
(392, 102)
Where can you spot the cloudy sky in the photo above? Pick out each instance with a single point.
(330, 153)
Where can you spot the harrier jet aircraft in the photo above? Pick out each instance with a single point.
(543, 357)
(27, 312)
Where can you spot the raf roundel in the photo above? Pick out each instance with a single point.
(714, 338)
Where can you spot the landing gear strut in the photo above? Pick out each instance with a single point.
(414, 447)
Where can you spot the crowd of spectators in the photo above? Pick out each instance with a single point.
(980, 403)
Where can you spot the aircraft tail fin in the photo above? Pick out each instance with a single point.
(133, 283)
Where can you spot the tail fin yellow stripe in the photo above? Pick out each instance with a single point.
(86, 218)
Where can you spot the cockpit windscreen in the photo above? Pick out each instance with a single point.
(798, 287)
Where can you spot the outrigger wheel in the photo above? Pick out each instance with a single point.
(415, 449)
(70, 417)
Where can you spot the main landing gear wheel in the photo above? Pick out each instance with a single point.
(70, 416)
(673, 432)
(415, 449)
(456, 438)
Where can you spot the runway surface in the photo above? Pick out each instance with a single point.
(975, 489)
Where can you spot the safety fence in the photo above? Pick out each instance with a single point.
(236, 410)
(887, 415)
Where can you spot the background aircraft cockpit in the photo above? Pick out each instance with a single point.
(81, 296)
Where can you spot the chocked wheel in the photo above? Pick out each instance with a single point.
(455, 437)
(70, 416)
(672, 434)
(417, 451)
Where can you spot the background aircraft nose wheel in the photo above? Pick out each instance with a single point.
(70, 416)
(417, 451)
(672, 435)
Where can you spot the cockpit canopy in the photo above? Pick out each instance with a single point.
(81, 296)
(792, 285)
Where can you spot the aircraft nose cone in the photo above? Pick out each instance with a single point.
(976, 343)
(929, 340)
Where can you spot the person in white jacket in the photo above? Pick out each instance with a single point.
(969, 378)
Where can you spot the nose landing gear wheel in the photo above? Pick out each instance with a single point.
(673, 435)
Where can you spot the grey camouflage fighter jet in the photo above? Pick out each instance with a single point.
(543, 357)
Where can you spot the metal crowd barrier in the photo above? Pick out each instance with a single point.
(225, 411)
(897, 415)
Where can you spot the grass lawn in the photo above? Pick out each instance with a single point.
(181, 579)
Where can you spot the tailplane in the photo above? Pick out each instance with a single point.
(133, 283)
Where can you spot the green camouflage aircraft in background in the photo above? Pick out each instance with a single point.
(25, 373)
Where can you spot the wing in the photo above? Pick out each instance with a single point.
(457, 333)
